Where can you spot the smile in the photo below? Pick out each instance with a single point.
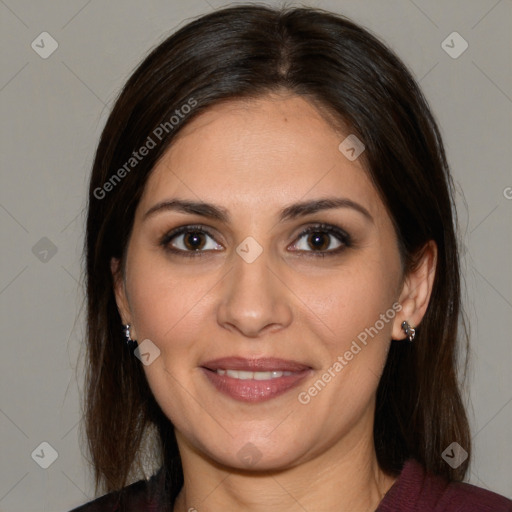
(241, 375)
(254, 380)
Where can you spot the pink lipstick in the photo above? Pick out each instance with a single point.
(254, 380)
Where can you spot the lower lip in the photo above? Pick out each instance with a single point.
(251, 390)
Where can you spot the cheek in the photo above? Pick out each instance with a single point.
(355, 331)
(169, 308)
(351, 306)
(357, 320)
(166, 303)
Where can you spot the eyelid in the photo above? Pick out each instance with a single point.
(186, 228)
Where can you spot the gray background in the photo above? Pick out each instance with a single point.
(53, 111)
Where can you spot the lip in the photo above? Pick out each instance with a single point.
(252, 390)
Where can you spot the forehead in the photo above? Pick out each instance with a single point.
(263, 152)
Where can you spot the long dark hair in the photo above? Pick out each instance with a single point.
(247, 52)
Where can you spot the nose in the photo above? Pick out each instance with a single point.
(254, 299)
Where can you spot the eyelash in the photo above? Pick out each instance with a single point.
(342, 236)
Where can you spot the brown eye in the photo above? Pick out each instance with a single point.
(319, 241)
(193, 241)
(322, 240)
(190, 241)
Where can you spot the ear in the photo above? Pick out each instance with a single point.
(416, 290)
(120, 294)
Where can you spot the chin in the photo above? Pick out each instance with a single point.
(256, 453)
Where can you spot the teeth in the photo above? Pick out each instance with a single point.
(243, 375)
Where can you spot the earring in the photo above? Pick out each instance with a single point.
(127, 337)
(409, 330)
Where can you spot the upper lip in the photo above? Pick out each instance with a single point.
(263, 364)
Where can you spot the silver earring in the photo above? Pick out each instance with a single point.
(409, 330)
(127, 336)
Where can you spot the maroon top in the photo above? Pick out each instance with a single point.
(413, 491)
(417, 491)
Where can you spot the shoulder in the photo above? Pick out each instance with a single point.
(416, 490)
(141, 496)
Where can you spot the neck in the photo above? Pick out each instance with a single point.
(344, 477)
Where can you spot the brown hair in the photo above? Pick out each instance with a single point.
(247, 52)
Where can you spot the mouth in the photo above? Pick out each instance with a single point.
(254, 380)
(245, 375)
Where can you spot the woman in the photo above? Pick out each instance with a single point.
(273, 279)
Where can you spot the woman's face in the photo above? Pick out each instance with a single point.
(250, 289)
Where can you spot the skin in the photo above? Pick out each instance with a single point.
(253, 158)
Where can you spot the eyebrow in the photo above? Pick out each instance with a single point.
(291, 212)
